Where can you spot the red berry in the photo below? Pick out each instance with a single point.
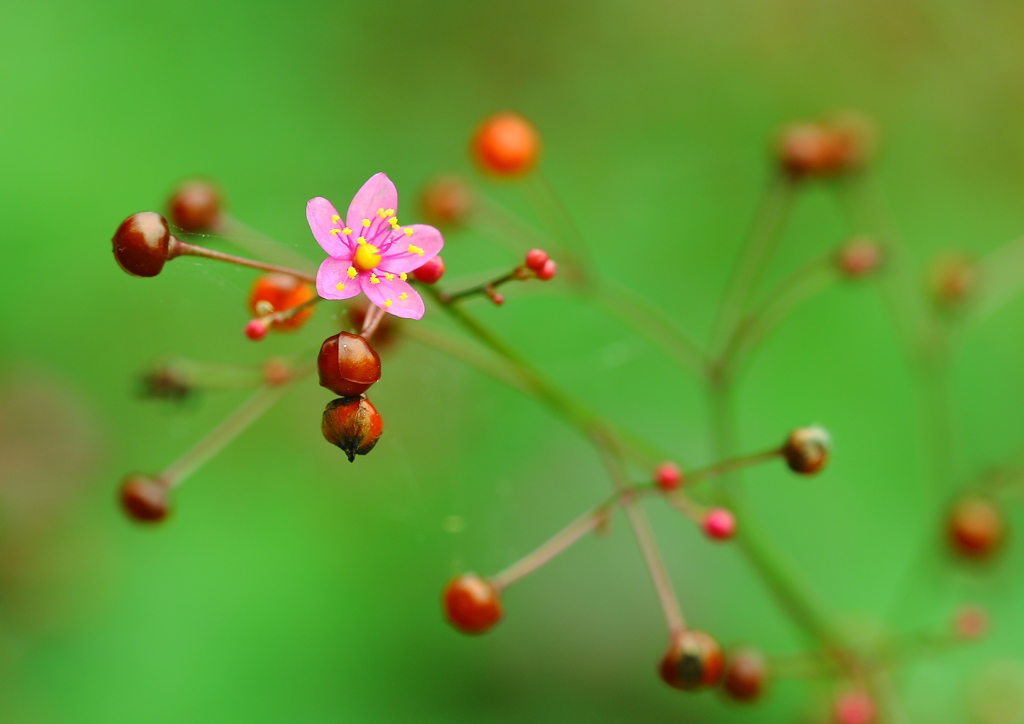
(668, 476)
(859, 257)
(693, 661)
(816, 149)
(277, 292)
(255, 330)
(195, 206)
(446, 201)
(745, 673)
(535, 259)
(142, 243)
(431, 272)
(547, 271)
(144, 499)
(471, 604)
(853, 707)
(719, 524)
(347, 364)
(976, 527)
(352, 423)
(505, 144)
(806, 450)
(498, 299)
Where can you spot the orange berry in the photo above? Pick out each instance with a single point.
(505, 144)
(277, 292)
(693, 661)
(976, 527)
(347, 364)
(353, 424)
(471, 604)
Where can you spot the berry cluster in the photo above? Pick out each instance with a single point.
(397, 268)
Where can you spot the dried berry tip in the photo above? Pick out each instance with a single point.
(353, 424)
(471, 604)
(807, 450)
(693, 661)
(668, 476)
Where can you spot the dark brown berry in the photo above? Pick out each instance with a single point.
(142, 243)
(806, 450)
(693, 661)
(471, 604)
(352, 423)
(144, 499)
(745, 673)
(195, 206)
(976, 527)
(348, 365)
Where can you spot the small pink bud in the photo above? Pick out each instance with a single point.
(547, 271)
(498, 299)
(668, 476)
(536, 259)
(970, 622)
(431, 272)
(255, 330)
(854, 707)
(719, 524)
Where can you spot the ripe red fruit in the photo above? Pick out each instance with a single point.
(431, 272)
(719, 524)
(347, 364)
(535, 259)
(144, 499)
(975, 527)
(446, 201)
(255, 330)
(806, 450)
(668, 476)
(547, 270)
(142, 243)
(195, 206)
(745, 673)
(505, 144)
(352, 423)
(693, 661)
(471, 604)
(277, 292)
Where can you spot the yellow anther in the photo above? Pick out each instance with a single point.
(361, 240)
(403, 295)
(335, 232)
(366, 257)
(389, 212)
(374, 279)
(394, 222)
(403, 276)
(366, 223)
(340, 286)
(408, 231)
(352, 272)
(346, 231)
(413, 249)
(335, 219)
(387, 302)
(389, 276)
(381, 213)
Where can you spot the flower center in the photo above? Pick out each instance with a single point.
(366, 257)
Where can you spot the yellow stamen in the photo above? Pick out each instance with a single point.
(389, 276)
(366, 257)
(346, 231)
(389, 212)
(340, 286)
(381, 213)
(374, 279)
(387, 302)
(403, 276)
(361, 240)
(366, 223)
(408, 231)
(413, 249)
(352, 272)
(394, 222)
(403, 295)
(335, 232)
(335, 219)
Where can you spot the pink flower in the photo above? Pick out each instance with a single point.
(369, 252)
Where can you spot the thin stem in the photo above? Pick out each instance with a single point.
(727, 466)
(253, 242)
(182, 248)
(655, 565)
(286, 314)
(229, 428)
(518, 274)
(555, 545)
(374, 316)
(756, 253)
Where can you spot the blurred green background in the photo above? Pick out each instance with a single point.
(291, 586)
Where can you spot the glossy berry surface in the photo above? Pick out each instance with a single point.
(719, 524)
(547, 270)
(471, 604)
(353, 424)
(745, 673)
(693, 661)
(347, 364)
(431, 272)
(667, 476)
(277, 292)
(535, 259)
(806, 450)
(976, 527)
(195, 206)
(144, 499)
(505, 144)
(141, 244)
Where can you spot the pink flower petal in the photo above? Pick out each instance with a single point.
(377, 193)
(425, 239)
(384, 291)
(320, 214)
(333, 272)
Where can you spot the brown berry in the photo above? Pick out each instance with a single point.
(816, 149)
(277, 292)
(352, 423)
(144, 499)
(446, 201)
(142, 243)
(195, 206)
(505, 144)
(745, 672)
(806, 450)
(693, 661)
(471, 604)
(976, 527)
(348, 365)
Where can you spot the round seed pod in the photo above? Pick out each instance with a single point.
(976, 527)
(746, 673)
(347, 364)
(142, 244)
(471, 604)
(693, 661)
(144, 499)
(807, 450)
(353, 424)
